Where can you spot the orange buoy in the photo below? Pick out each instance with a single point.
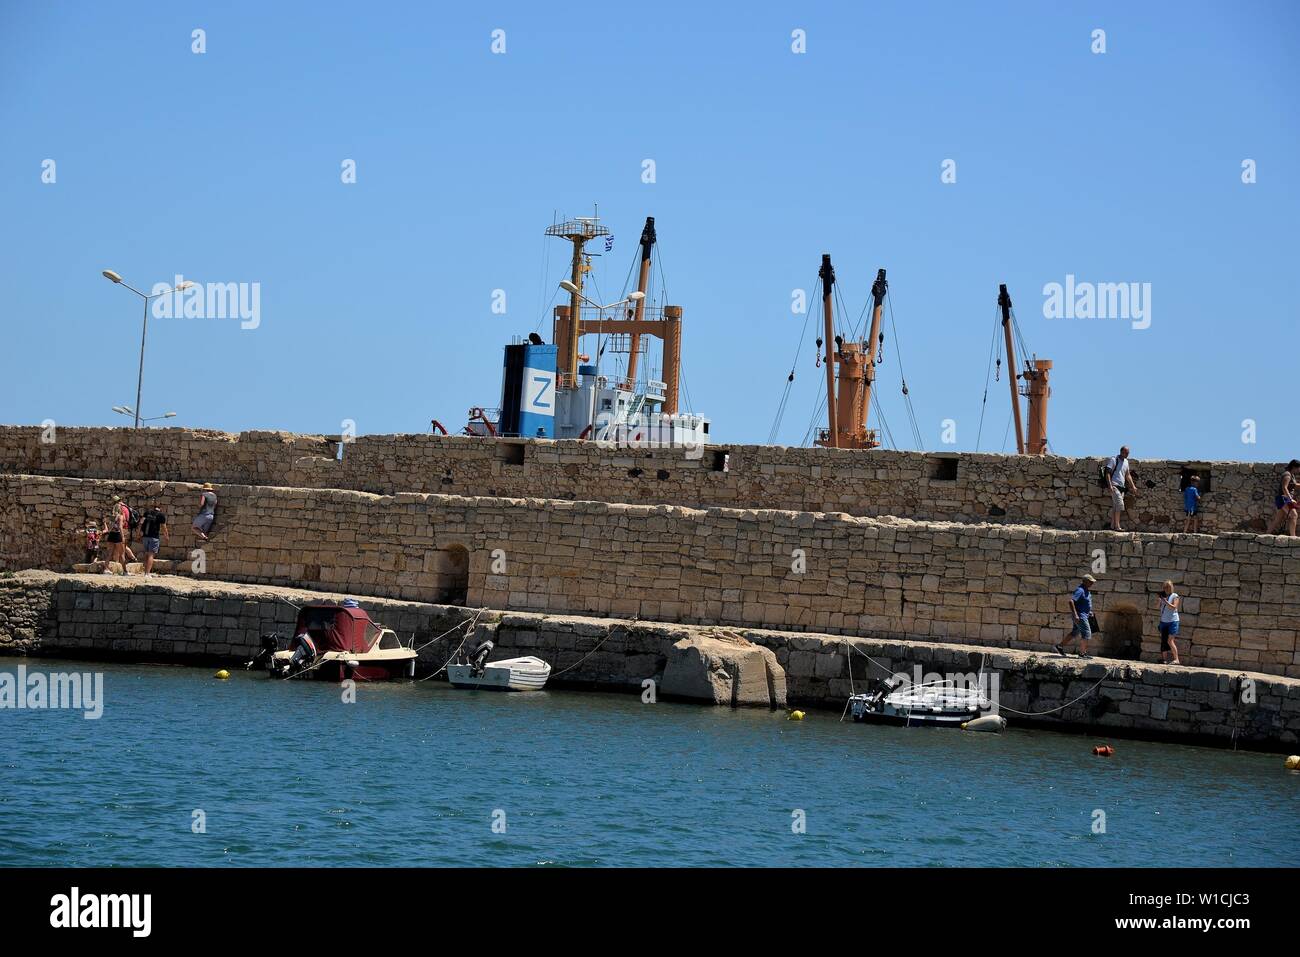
(1104, 750)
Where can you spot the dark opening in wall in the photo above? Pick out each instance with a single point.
(634, 473)
(453, 575)
(1121, 632)
(662, 475)
(943, 468)
(512, 453)
(721, 461)
(1202, 471)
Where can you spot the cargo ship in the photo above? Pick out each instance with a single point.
(557, 390)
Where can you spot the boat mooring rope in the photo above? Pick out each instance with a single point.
(609, 634)
(468, 632)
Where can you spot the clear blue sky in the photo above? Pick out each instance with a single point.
(376, 297)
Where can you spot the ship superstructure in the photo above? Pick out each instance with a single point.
(560, 391)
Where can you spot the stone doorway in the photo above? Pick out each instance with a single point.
(1121, 632)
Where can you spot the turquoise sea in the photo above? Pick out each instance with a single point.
(286, 773)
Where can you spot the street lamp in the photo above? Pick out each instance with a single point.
(572, 288)
(144, 328)
(127, 410)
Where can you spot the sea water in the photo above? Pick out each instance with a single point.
(182, 769)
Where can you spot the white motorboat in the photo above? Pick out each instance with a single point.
(941, 703)
(512, 674)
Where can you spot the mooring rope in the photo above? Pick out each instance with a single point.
(609, 634)
(468, 632)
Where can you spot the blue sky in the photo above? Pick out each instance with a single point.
(376, 296)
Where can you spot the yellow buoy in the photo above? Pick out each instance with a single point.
(222, 674)
(1293, 763)
(795, 716)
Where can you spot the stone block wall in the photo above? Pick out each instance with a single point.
(219, 623)
(1052, 491)
(992, 585)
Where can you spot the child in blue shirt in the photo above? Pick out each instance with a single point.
(1191, 504)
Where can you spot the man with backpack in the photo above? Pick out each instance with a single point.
(153, 532)
(1116, 478)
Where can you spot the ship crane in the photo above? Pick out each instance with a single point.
(848, 410)
(1036, 389)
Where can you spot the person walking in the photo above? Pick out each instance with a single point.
(1121, 481)
(1192, 504)
(119, 525)
(1170, 603)
(1081, 615)
(202, 523)
(1287, 507)
(153, 532)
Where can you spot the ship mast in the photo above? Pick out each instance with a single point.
(827, 274)
(643, 286)
(878, 290)
(1004, 301)
(568, 324)
(1037, 390)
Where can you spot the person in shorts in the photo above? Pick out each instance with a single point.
(202, 523)
(1192, 504)
(1169, 605)
(118, 525)
(1080, 610)
(1287, 507)
(153, 532)
(1121, 481)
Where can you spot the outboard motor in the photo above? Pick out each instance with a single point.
(270, 645)
(479, 656)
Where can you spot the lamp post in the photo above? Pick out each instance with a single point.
(127, 410)
(573, 289)
(144, 328)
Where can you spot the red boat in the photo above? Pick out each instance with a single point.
(334, 642)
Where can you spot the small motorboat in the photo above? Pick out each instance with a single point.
(941, 703)
(512, 674)
(335, 642)
(473, 670)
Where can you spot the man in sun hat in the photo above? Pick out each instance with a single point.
(1080, 610)
(202, 523)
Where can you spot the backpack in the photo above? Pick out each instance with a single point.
(132, 519)
(1103, 480)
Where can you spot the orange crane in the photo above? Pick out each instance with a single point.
(1037, 390)
(847, 412)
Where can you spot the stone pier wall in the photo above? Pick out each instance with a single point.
(883, 578)
(177, 620)
(1052, 491)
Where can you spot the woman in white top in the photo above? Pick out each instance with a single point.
(1169, 605)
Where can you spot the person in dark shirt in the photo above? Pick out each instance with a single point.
(153, 531)
(1080, 612)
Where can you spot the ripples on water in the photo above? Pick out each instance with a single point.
(412, 773)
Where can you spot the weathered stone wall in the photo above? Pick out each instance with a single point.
(1052, 491)
(992, 585)
(191, 455)
(212, 622)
